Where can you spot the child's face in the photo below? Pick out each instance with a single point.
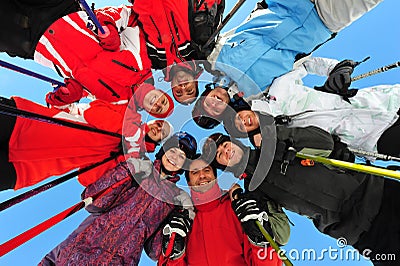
(173, 159)
(246, 121)
(216, 102)
(158, 130)
(155, 102)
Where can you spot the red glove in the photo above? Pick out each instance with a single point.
(110, 40)
(72, 92)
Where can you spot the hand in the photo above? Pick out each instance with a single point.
(110, 40)
(140, 165)
(341, 151)
(248, 212)
(72, 92)
(339, 79)
(175, 232)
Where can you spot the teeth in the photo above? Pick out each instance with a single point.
(218, 99)
(249, 121)
(172, 162)
(204, 182)
(232, 153)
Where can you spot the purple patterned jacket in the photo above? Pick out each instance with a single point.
(121, 224)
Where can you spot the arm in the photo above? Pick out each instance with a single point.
(319, 66)
(311, 140)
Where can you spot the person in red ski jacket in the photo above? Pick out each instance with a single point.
(33, 150)
(216, 236)
(109, 66)
(175, 33)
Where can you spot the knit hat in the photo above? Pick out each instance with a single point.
(182, 140)
(142, 91)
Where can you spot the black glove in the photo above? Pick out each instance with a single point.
(248, 212)
(341, 151)
(339, 80)
(179, 224)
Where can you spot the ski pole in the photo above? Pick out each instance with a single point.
(30, 73)
(224, 22)
(274, 245)
(352, 166)
(92, 16)
(12, 111)
(375, 155)
(376, 71)
(40, 228)
(24, 196)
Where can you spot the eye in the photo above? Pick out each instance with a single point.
(195, 172)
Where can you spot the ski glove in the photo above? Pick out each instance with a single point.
(248, 212)
(72, 92)
(341, 151)
(175, 233)
(339, 79)
(110, 40)
(140, 166)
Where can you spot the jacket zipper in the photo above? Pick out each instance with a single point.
(114, 93)
(158, 31)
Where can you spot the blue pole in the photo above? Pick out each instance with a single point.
(91, 15)
(30, 73)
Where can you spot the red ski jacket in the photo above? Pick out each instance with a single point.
(70, 47)
(217, 237)
(39, 149)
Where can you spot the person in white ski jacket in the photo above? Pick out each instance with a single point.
(368, 121)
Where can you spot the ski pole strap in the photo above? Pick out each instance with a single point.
(375, 155)
(274, 245)
(223, 23)
(92, 16)
(352, 166)
(376, 71)
(38, 229)
(24, 196)
(12, 111)
(30, 73)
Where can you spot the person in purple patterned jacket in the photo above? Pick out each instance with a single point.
(126, 220)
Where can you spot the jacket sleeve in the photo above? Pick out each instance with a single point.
(310, 140)
(102, 115)
(132, 131)
(256, 256)
(319, 66)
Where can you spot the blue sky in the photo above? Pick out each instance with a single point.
(375, 35)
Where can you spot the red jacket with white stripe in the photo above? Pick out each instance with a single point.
(70, 47)
(39, 150)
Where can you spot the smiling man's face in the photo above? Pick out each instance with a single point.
(201, 176)
(246, 121)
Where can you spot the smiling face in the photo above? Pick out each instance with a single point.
(184, 87)
(228, 154)
(246, 121)
(155, 102)
(216, 102)
(158, 130)
(173, 159)
(201, 176)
